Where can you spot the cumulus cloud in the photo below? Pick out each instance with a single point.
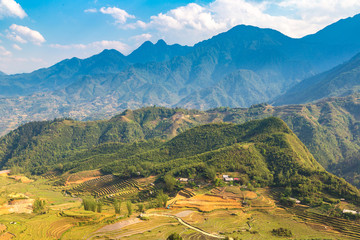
(141, 37)
(194, 22)
(98, 45)
(4, 52)
(120, 15)
(10, 8)
(23, 34)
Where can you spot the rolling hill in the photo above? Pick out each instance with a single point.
(329, 128)
(265, 152)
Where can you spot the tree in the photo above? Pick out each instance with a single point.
(99, 206)
(210, 173)
(117, 206)
(141, 207)
(89, 204)
(129, 208)
(162, 199)
(170, 182)
(39, 206)
(174, 236)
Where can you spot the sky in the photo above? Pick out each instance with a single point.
(40, 33)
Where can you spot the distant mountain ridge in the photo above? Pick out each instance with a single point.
(340, 81)
(238, 68)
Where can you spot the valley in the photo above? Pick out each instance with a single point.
(66, 219)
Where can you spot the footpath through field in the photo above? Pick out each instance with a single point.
(185, 224)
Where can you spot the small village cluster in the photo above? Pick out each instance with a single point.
(226, 178)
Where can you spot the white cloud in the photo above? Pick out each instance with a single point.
(91, 10)
(16, 47)
(193, 22)
(12, 36)
(23, 34)
(120, 15)
(10, 8)
(96, 46)
(141, 37)
(4, 52)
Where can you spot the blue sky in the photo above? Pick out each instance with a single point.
(39, 33)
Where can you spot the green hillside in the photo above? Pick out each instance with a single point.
(329, 129)
(264, 152)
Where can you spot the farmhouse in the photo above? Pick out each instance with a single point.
(295, 200)
(228, 179)
(183, 179)
(350, 211)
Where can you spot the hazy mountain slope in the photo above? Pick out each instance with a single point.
(62, 74)
(339, 81)
(237, 89)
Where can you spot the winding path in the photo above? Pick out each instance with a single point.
(186, 224)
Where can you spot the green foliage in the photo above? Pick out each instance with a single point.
(129, 208)
(265, 153)
(90, 204)
(141, 207)
(287, 202)
(162, 199)
(39, 206)
(99, 206)
(282, 232)
(174, 236)
(117, 206)
(170, 182)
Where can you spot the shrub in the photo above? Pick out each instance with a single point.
(282, 232)
(174, 236)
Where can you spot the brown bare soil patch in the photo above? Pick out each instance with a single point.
(6, 236)
(17, 206)
(208, 203)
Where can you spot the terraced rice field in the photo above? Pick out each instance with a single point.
(208, 203)
(131, 228)
(106, 186)
(56, 229)
(350, 229)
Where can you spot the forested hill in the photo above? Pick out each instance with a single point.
(264, 152)
(329, 128)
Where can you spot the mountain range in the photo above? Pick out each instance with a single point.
(244, 66)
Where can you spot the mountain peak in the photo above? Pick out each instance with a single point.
(110, 52)
(161, 42)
